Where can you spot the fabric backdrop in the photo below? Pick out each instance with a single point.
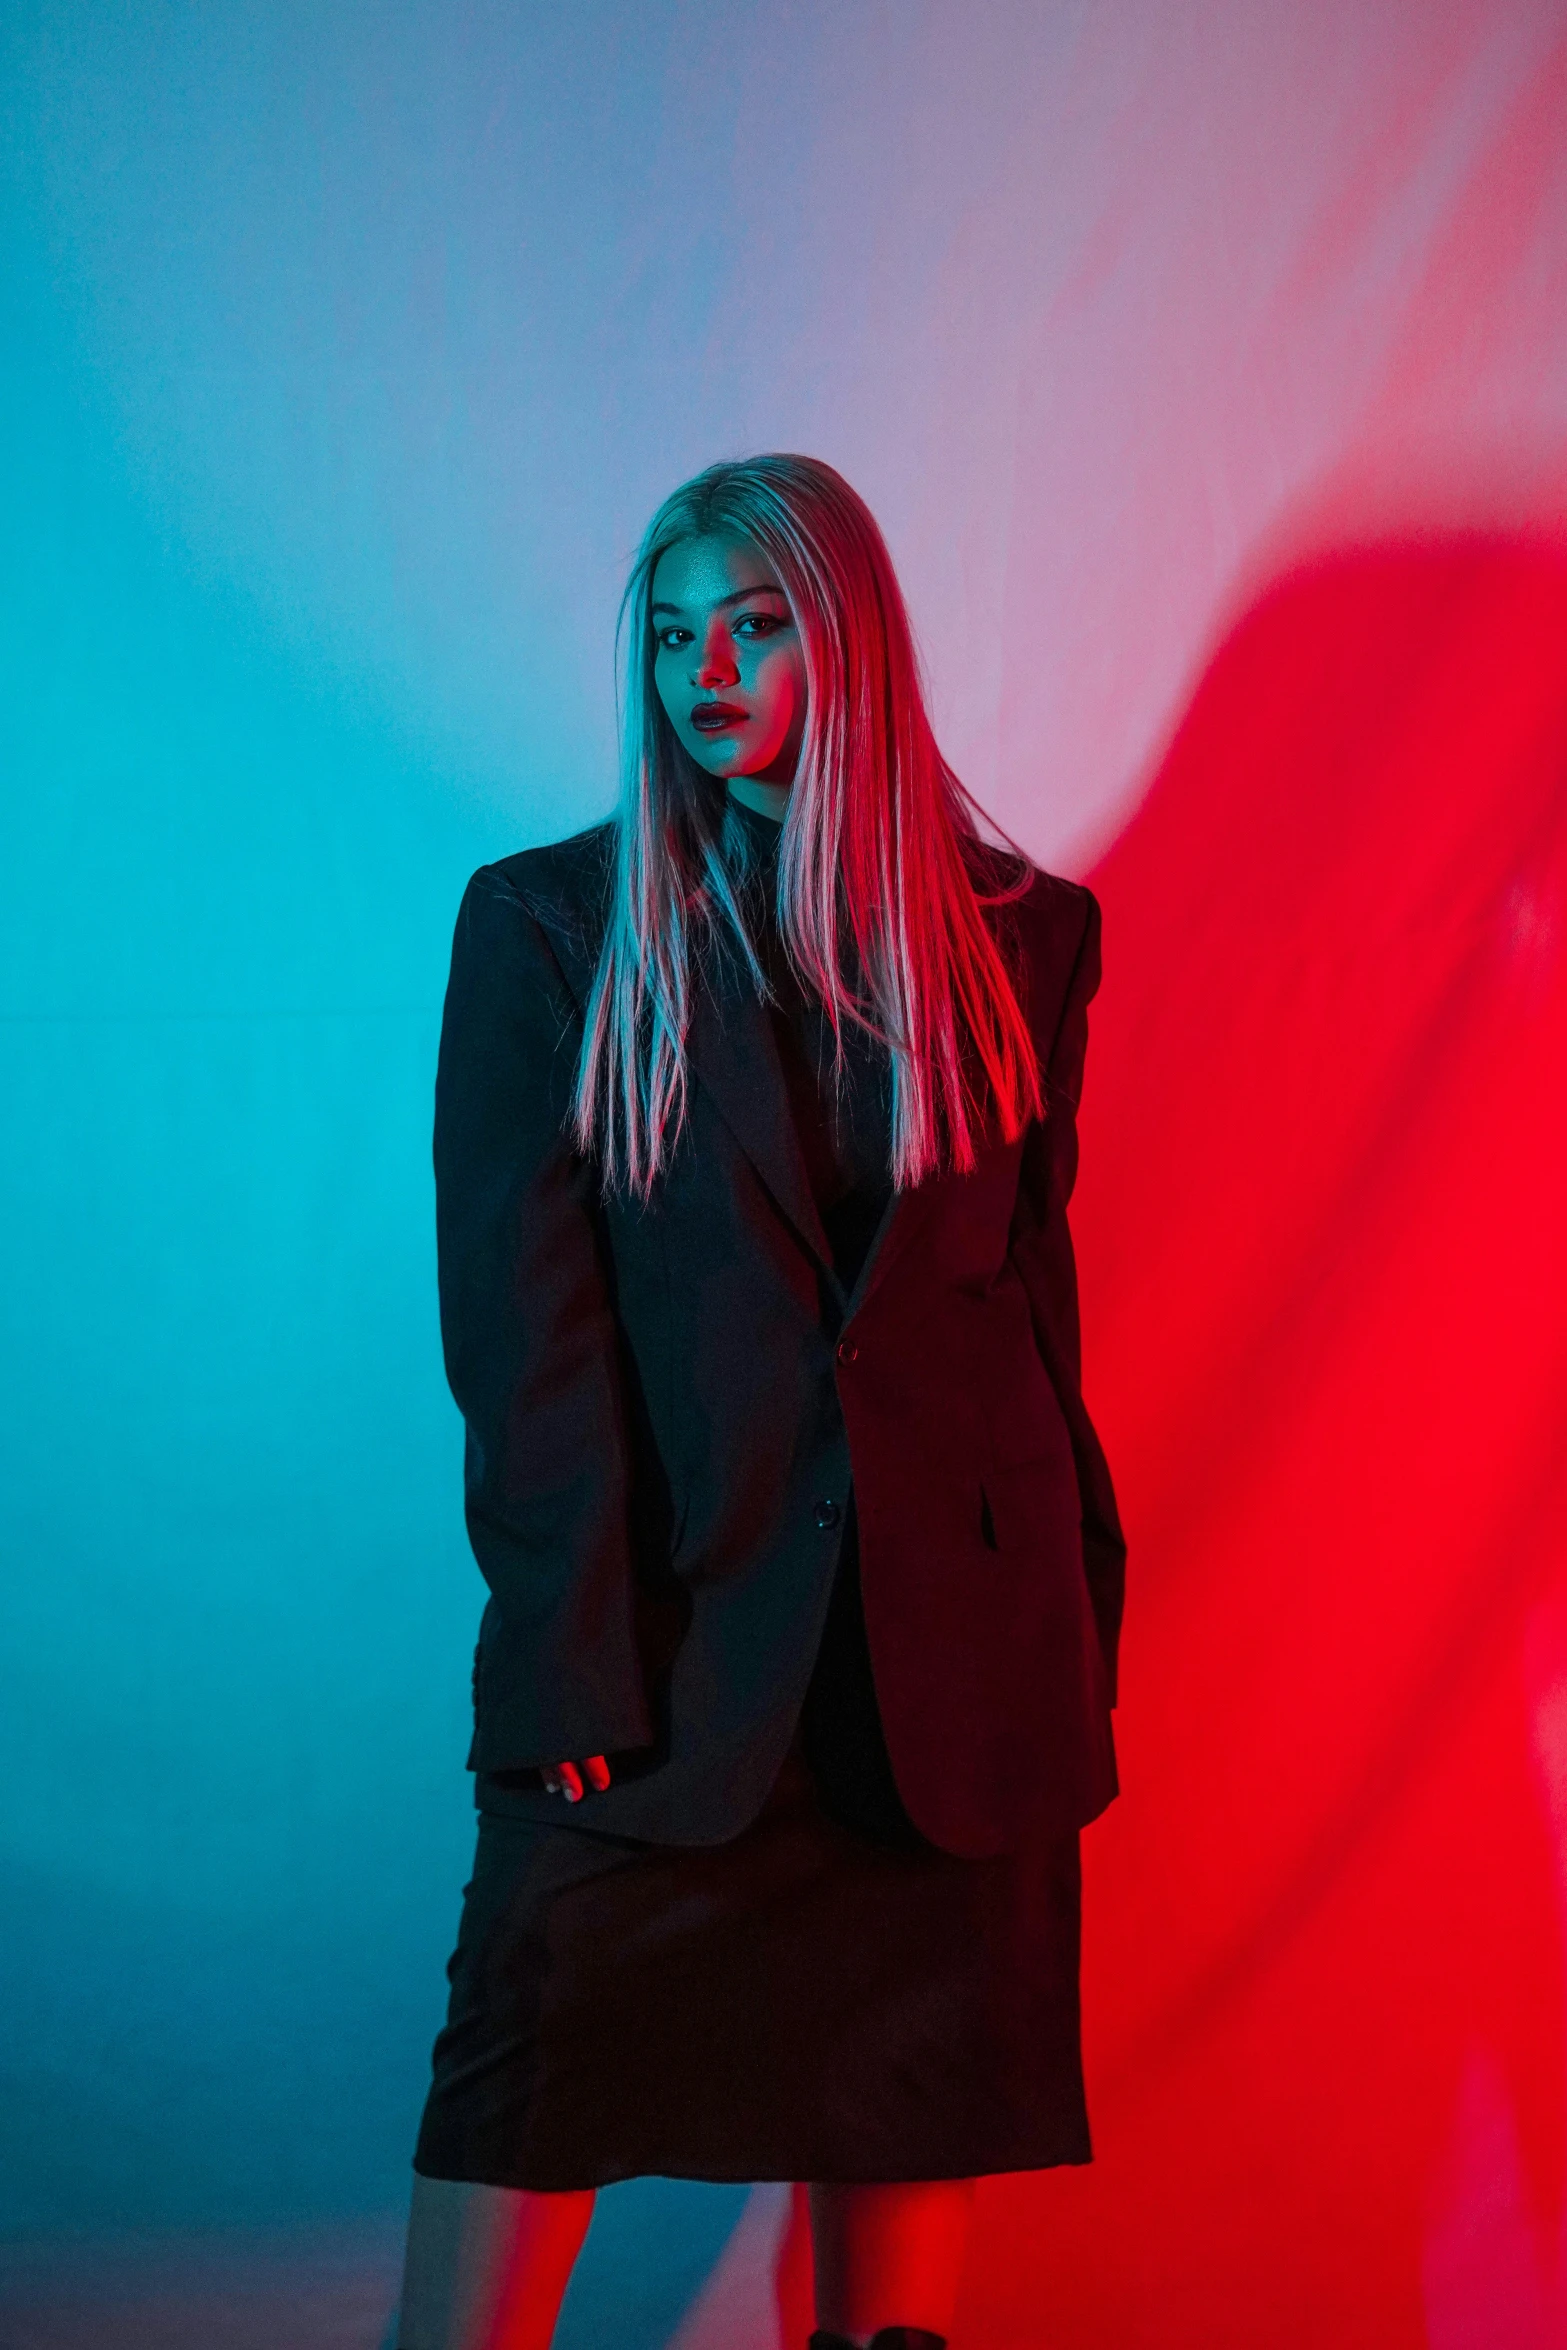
(1207, 368)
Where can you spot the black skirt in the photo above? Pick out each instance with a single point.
(827, 1996)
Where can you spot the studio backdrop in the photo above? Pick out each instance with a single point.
(1206, 365)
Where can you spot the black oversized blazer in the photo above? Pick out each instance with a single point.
(666, 1404)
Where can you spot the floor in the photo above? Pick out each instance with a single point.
(667, 2266)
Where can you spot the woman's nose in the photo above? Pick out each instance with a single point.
(717, 664)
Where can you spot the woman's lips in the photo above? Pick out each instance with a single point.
(716, 717)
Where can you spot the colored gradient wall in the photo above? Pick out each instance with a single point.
(1207, 367)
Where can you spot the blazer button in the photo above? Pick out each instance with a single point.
(827, 1516)
(848, 1352)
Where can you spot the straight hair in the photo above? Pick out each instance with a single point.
(879, 911)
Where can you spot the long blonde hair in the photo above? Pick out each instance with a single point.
(877, 907)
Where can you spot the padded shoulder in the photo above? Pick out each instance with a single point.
(563, 876)
(565, 886)
(1042, 934)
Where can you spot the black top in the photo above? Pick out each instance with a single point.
(845, 1132)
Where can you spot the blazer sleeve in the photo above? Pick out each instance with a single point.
(530, 1343)
(1041, 1248)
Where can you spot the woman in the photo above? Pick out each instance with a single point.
(755, 1130)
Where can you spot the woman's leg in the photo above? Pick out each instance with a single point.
(486, 2266)
(890, 2256)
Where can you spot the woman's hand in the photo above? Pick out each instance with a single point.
(565, 1778)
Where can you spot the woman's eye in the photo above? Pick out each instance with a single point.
(667, 637)
(765, 622)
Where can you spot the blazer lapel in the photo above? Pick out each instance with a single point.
(909, 1211)
(734, 1056)
(906, 1211)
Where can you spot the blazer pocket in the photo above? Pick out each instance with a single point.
(1015, 1506)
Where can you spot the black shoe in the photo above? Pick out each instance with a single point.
(890, 2338)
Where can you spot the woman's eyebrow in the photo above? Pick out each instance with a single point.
(740, 596)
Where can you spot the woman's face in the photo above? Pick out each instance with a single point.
(728, 660)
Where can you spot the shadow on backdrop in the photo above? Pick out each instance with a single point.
(1324, 1258)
